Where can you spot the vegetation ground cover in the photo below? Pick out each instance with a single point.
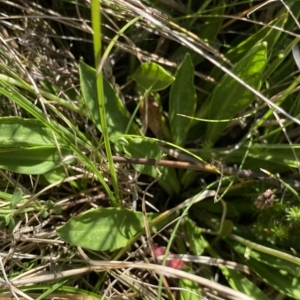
(149, 149)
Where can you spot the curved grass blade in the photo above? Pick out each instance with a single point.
(66, 136)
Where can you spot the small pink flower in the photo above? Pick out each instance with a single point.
(173, 263)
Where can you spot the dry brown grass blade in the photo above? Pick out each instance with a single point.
(110, 265)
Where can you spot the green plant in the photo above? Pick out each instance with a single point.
(188, 101)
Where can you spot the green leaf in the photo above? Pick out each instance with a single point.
(272, 261)
(182, 101)
(280, 280)
(152, 77)
(11, 225)
(207, 32)
(211, 27)
(227, 228)
(147, 148)
(36, 160)
(272, 157)
(57, 210)
(2, 221)
(194, 237)
(279, 154)
(103, 229)
(44, 213)
(241, 283)
(7, 219)
(265, 34)
(53, 176)
(51, 288)
(190, 289)
(19, 132)
(117, 118)
(16, 198)
(229, 97)
(49, 204)
(59, 174)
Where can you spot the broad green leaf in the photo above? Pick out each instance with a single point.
(103, 229)
(280, 280)
(227, 228)
(35, 160)
(211, 27)
(55, 175)
(229, 97)
(282, 275)
(117, 116)
(188, 178)
(272, 261)
(182, 101)
(273, 157)
(280, 154)
(190, 289)
(213, 208)
(146, 148)
(265, 34)
(19, 132)
(61, 131)
(150, 76)
(16, 198)
(280, 66)
(241, 283)
(194, 237)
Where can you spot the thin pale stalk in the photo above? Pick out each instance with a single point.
(96, 25)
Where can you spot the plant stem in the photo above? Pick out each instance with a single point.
(96, 24)
(273, 252)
